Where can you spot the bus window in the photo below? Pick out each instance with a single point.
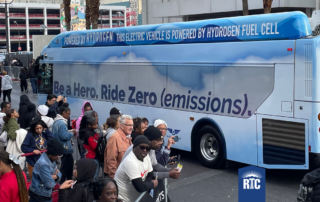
(45, 78)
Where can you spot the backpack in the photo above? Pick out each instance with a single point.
(305, 193)
(101, 146)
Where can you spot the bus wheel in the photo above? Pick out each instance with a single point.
(209, 147)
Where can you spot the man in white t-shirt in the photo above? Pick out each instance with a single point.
(135, 174)
(43, 111)
(5, 106)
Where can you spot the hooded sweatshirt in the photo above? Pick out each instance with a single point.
(24, 110)
(90, 142)
(313, 179)
(82, 113)
(6, 82)
(86, 170)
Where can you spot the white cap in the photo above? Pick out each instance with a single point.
(43, 110)
(158, 122)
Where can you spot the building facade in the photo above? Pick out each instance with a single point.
(167, 11)
(29, 19)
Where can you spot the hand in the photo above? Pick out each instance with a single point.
(74, 131)
(60, 97)
(170, 142)
(155, 183)
(56, 172)
(67, 184)
(37, 152)
(54, 177)
(174, 173)
(171, 159)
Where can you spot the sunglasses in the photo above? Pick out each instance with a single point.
(145, 148)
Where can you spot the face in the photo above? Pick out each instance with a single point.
(141, 151)
(142, 128)
(53, 158)
(8, 107)
(75, 172)
(88, 108)
(163, 129)
(146, 123)
(156, 144)
(39, 129)
(96, 117)
(52, 101)
(127, 127)
(15, 114)
(109, 193)
(66, 115)
(93, 126)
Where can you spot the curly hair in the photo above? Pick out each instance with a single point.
(97, 187)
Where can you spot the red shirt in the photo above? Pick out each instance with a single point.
(91, 148)
(9, 190)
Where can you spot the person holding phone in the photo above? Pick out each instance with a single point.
(163, 153)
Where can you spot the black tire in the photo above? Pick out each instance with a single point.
(210, 158)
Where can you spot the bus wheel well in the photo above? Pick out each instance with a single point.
(199, 125)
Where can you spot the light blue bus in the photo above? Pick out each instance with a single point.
(243, 89)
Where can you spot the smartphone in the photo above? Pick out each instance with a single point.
(176, 138)
(73, 184)
(180, 166)
(175, 159)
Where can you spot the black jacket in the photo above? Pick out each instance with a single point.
(31, 73)
(86, 169)
(313, 179)
(23, 76)
(26, 112)
(52, 110)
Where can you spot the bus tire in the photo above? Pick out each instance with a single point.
(209, 147)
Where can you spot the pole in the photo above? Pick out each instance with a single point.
(7, 26)
(101, 19)
(19, 36)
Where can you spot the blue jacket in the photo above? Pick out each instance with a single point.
(163, 155)
(61, 133)
(42, 182)
(32, 143)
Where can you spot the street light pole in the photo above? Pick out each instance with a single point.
(7, 25)
(15, 22)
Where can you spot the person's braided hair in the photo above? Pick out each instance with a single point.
(96, 187)
(23, 193)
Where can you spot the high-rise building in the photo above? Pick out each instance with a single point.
(29, 19)
(166, 11)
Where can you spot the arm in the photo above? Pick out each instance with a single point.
(64, 134)
(92, 142)
(112, 154)
(163, 158)
(49, 134)
(2, 83)
(142, 186)
(45, 176)
(25, 147)
(12, 131)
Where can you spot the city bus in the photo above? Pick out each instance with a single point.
(242, 89)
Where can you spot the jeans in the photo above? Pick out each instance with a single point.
(34, 84)
(99, 164)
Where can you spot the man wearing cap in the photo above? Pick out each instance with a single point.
(43, 111)
(46, 173)
(163, 153)
(155, 137)
(117, 145)
(135, 173)
(115, 111)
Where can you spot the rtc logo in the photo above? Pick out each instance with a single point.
(251, 180)
(252, 184)
(173, 132)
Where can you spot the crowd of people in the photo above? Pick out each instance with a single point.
(119, 159)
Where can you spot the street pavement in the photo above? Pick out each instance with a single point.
(199, 183)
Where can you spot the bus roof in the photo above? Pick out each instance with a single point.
(278, 26)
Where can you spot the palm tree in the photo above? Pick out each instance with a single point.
(267, 6)
(67, 13)
(92, 13)
(245, 7)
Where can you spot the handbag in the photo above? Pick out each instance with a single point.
(4, 139)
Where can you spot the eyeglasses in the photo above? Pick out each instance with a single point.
(162, 129)
(128, 125)
(145, 148)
